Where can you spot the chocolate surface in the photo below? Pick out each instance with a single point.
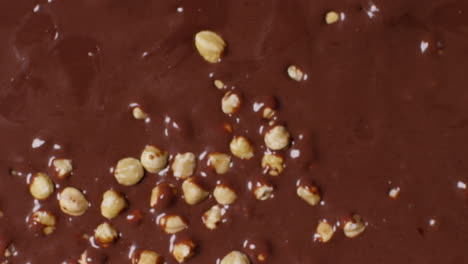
(384, 106)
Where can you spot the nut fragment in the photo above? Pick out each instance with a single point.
(295, 73)
(162, 195)
(146, 257)
(172, 224)
(394, 192)
(210, 45)
(112, 204)
(309, 193)
(218, 84)
(46, 219)
(41, 186)
(224, 195)
(268, 113)
(105, 233)
(324, 231)
(332, 17)
(230, 103)
(73, 202)
(353, 227)
(128, 171)
(277, 138)
(10, 251)
(273, 164)
(153, 159)
(139, 114)
(193, 193)
(241, 148)
(220, 162)
(212, 217)
(63, 167)
(235, 257)
(183, 165)
(263, 191)
(183, 250)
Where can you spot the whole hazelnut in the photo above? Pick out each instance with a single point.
(230, 103)
(235, 257)
(210, 45)
(224, 195)
(172, 224)
(153, 159)
(219, 162)
(277, 138)
(241, 148)
(41, 186)
(63, 167)
(105, 233)
(73, 202)
(193, 193)
(128, 171)
(183, 165)
(112, 204)
(183, 250)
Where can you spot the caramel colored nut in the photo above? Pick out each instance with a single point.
(183, 165)
(224, 195)
(112, 204)
(193, 193)
(219, 162)
(172, 224)
(105, 233)
(235, 257)
(277, 138)
(46, 219)
(210, 45)
(63, 167)
(295, 73)
(162, 195)
(184, 250)
(310, 194)
(153, 159)
(273, 164)
(354, 227)
(128, 171)
(241, 148)
(268, 113)
(139, 114)
(263, 191)
(146, 257)
(230, 103)
(73, 202)
(332, 17)
(41, 186)
(324, 232)
(212, 217)
(219, 84)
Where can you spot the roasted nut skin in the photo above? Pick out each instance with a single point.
(73, 202)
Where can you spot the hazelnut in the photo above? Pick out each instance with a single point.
(352, 228)
(241, 148)
(162, 195)
(10, 251)
(105, 233)
(219, 162)
(146, 257)
(63, 167)
(112, 204)
(193, 193)
(309, 193)
(153, 159)
(218, 84)
(324, 231)
(277, 138)
(224, 195)
(332, 17)
(235, 257)
(128, 171)
(212, 217)
(394, 192)
(230, 103)
(268, 113)
(210, 45)
(41, 186)
(273, 164)
(92, 256)
(295, 73)
(73, 202)
(263, 191)
(139, 114)
(183, 165)
(172, 224)
(183, 250)
(46, 219)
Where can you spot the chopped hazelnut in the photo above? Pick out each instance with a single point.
(210, 45)
(212, 217)
(268, 113)
(277, 138)
(183, 250)
(146, 257)
(139, 114)
(230, 103)
(324, 232)
(112, 204)
(183, 165)
(273, 164)
(241, 148)
(219, 162)
(162, 195)
(41, 186)
(263, 191)
(128, 171)
(172, 224)
(193, 193)
(235, 257)
(63, 167)
(332, 17)
(153, 159)
(309, 193)
(105, 233)
(295, 73)
(73, 202)
(10, 251)
(46, 219)
(224, 195)
(218, 84)
(352, 228)
(394, 192)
